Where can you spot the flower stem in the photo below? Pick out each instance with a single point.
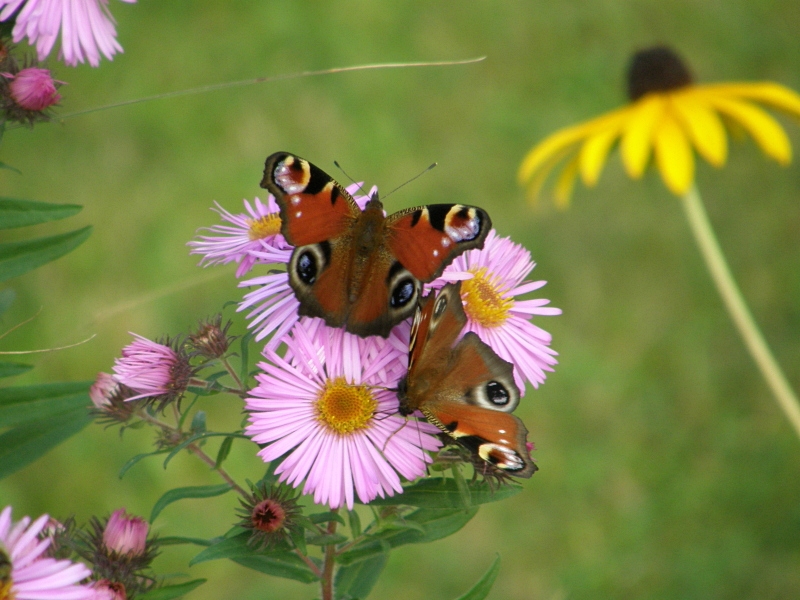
(195, 449)
(327, 570)
(734, 302)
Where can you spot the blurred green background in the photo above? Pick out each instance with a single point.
(666, 468)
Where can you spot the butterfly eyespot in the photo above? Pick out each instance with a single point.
(307, 267)
(403, 292)
(497, 393)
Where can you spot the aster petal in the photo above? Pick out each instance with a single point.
(637, 138)
(703, 125)
(674, 156)
(766, 131)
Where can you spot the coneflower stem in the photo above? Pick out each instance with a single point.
(740, 313)
(327, 569)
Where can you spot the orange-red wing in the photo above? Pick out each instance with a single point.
(426, 239)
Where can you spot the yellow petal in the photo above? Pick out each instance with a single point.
(674, 156)
(703, 125)
(770, 93)
(637, 139)
(566, 183)
(557, 142)
(595, 150)
(766, 131)
(536, 182)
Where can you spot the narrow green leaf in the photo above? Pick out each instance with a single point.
(326, 539)
(481, 589)
(288, 566)
(245, 356)
(174, 540)
(203, 491)
(358, 579)
(21, 213)
(7, 298)
(445, 493)
(224, 451)
(17, 258)
(461, 485)
(22, 445)
(280, 562)
(168, 592)
(326, 517)
(9, 369)
(2, 127)
(363, 552)
(29, 403)
(355, 523)
(198, 422)
(298, 537)
(136, 459)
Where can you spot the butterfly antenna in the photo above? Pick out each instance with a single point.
(410, 180)
(346, 174)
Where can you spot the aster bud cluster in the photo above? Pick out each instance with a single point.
(27, 90)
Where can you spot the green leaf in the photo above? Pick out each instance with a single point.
(168, 592)
(136, 459)
(224, 451)
(7, 298)
(174, 540)
(445, 493)
(480, 590)
(437, 523)
(245, 354)
(279, 563)
(25, 404)
(21, 213)
(22, 445)
(355, 523)
(203, 491)
(461, 485)
(2, 164)
(326, 539)
(17, 258)
(326, 517)
(363, 551)
(358, 579)
(9, 369)
(198, 422)
(288, 566)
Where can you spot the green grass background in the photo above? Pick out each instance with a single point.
(667, 470)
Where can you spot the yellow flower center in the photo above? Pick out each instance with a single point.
(345, 408)
(264, 227)
(5, 589)
(483, 297)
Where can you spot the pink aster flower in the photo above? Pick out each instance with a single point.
(492, 278)
(153, 369)
(32, 575)
(253, 237)
(125, 534)
(322, 408)
(87, 27)
(33, 89)
(274, 306)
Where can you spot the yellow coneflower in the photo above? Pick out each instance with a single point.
(668, 116)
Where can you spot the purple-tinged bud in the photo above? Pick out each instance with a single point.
(33, 89)
(125, 534)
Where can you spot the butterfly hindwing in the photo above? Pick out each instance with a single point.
(463, 387)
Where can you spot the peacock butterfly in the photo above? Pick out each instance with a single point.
(360, 269)
(463, 387)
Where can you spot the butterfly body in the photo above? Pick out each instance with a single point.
(356, 269)
(463, 387)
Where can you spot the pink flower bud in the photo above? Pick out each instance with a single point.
(33, 89)
(125, 534)
(109, 590)
(102, 390)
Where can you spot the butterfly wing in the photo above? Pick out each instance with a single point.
(314, 208)
(426, 239)
(464, 389)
